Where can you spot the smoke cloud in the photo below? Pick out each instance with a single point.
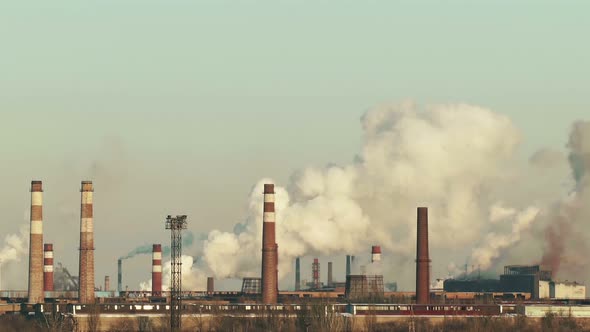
(15, 246)
(444, 157)
(187, 240)
(567, 230)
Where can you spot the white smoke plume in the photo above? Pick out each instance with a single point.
(445, 157)
(192, 278)
(15, 246)
(494, 243)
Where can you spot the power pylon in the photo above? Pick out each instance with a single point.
(176, 225)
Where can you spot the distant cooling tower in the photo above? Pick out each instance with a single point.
(36, 244)
(422, 259)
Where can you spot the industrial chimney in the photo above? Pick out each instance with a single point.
(36, 244)
(119, 276)
(347, 265)
(375, 254)
(48, 267)
(86, 274)
(157, 270)
(330, 280)
(422, 259)
(297, 274)
(210, 285)
(315, 273)
(107, 283)
(269, 248)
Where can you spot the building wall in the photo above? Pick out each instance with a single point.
(562, 290)
(544, 290)
(542, 310)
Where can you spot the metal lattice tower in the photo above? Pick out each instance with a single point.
(176, 225)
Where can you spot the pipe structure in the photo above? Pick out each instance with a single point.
(347, 265)
(375, 254)
(269, 248)
(119, 276)
(157, 270)
(48, 267)
(210, 285)
(107, 283)
(297, 274)
(86, 269)
(422, 258)
(36, 244)
(330, 280)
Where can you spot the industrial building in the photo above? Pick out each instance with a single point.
(531, 279)
(359, 294)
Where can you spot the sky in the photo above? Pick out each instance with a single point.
(182, 106)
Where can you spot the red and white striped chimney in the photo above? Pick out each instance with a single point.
(48, 267)
(375, 254)
(157, 270)
(269, 248)
(36, 244)
(86, 276)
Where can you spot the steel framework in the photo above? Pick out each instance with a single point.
(176, 225)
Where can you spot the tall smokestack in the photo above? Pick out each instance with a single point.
(36, 244)
(119, 276)
(347, 265)
(48, 267)
(375, 254)
(86, 274)
(315, 273)
(330, 280)
(269, 248)
(157, 270)
(107, 283)
(422, 259)
(297, 274)
(210, 285)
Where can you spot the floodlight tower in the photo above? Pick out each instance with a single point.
(176, 225)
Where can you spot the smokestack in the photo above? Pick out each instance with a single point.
(119, 276)
(375, 254)
(422, 259)
(86, 274)
(315, 271)
(36, 244)
(269, 248)
(330, 281)
(210, 285)
(157, 270)
(107, 283)
(347, 265)
(48, 267)
(297, 274)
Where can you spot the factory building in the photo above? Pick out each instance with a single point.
(531, 279)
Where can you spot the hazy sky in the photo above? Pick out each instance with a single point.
(181, 106)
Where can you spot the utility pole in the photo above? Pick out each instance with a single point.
(176, 225)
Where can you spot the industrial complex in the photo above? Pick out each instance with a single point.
(527, 290)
